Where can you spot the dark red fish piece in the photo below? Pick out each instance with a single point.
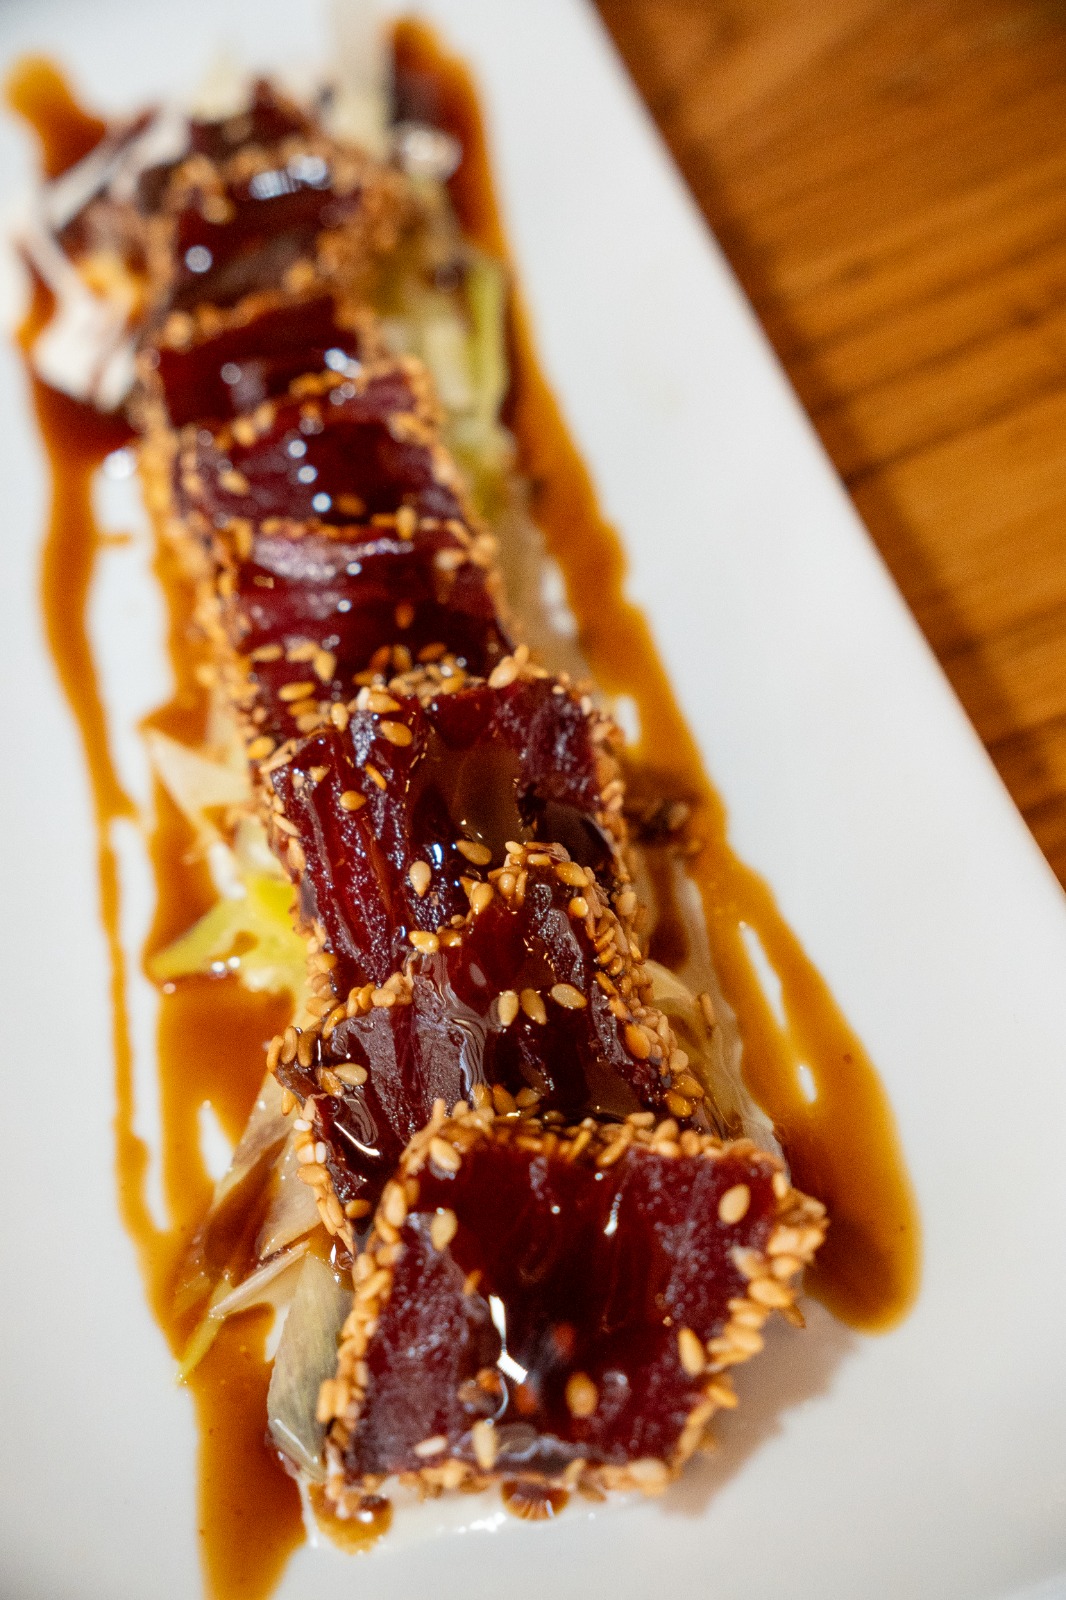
(519, 1002)
(233, 231)
(252, 357)
(445, 783)
(268, 119)
(354, 447)
(352, 593)
(558, 1305)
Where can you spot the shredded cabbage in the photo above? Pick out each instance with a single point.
(307, 1353)
(293, 1211)
(270, 1284)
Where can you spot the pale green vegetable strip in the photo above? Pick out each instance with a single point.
(278, 958)
(307, 1353)
(486, 291)
(293, 1211)
(267, 1285)
(196, 784)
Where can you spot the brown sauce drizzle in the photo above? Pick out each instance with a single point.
(211, 1031)
(842, 1147)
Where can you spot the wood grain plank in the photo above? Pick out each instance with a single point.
(888, 178)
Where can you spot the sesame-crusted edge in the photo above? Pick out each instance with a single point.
(644, 1030)
(797, 1232)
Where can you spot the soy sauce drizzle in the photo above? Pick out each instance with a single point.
(211, 1032)
(842, 1147)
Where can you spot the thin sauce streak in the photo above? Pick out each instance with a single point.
(842, 1145)
(38, 92)
(211, 1032)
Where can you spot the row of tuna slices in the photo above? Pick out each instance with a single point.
(556, 1256)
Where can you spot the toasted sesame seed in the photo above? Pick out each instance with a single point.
(379, 702)
(565, 995)
(296, 691)
(751, 1263)
(749, 1340)
(582, 1396)
(720, 1392)
(612, 1153)
(770, 1292)
(444, 1155)
(375, 776)
(443, 1228)
(483, 1438)
(405, 614)
(426, 943)
(570, 873)
(338, 715)
(351, 1074)
(781, 1185)
(677, 1105)
(650, 1475)
(637, 1041)
(507, 1007)
(406, 521)
(352, 800)
(706, 1005)
(431, 1447)
(420, 875)
(324, 663)
(691, 1352)
(394, 1205)
(533, 1006)
(579, 907)
(397, 733)
(481, 896)
(260, 748)
(327, 1407)
(479, 854)
(626, 903)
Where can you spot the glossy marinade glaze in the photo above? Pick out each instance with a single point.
(850, 1114)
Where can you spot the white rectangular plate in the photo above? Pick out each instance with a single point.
(927, 1463)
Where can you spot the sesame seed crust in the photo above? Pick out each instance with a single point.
(409, 1220)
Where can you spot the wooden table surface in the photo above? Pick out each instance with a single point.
(888, 179)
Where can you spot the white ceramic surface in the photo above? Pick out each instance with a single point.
(927, 1463)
